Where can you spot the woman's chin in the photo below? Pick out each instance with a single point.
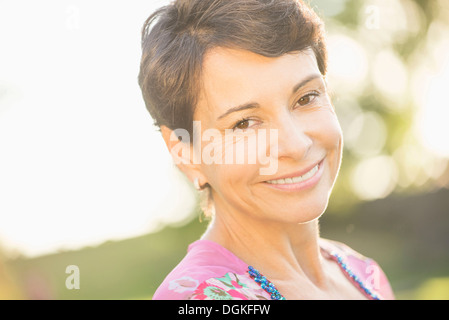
(295, 214)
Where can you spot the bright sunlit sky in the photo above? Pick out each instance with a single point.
(80, 161)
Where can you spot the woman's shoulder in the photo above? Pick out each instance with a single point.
(332, 246)
(209, 271)
(366, 269)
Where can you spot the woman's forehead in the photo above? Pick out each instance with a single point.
(231, 77)
(236, 61)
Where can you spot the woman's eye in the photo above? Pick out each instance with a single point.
(242, 124)
(308, 98)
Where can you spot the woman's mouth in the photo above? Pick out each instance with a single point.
(298, 182)
(304, 177)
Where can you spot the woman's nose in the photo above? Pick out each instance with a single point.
(294, 139)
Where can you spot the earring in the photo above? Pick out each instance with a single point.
(196, 183)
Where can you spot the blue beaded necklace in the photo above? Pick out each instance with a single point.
(265, 284)
(276, 295)
(351, 275)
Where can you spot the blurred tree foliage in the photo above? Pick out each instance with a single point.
(127, 269)
(397, 31)
(9, 289)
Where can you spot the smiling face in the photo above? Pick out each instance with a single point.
(248, 95)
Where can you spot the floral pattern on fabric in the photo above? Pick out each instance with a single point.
(211, 272)
(229, 287)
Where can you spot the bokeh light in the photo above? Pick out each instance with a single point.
(374, 178)
(366, 135)
(390, 78)
(432, 117)
(347, 63)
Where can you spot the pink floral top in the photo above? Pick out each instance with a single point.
(211, 272)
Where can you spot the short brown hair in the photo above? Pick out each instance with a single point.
(176, 38)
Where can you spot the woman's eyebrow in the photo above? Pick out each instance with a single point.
(306, 81)
(253, 105)
(249, 105)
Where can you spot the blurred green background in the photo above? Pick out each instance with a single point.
(389, 77)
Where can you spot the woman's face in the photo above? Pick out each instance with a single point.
(256, 107)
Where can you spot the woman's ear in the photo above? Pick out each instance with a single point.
(180, 147)
(178, 144)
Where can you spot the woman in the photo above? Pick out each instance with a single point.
(246, 79)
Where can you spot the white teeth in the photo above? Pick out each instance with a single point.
(304, 177)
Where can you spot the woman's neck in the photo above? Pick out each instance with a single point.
(277, 250)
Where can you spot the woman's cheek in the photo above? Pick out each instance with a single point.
(328, 128)
(332, 138)
(233, 157)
